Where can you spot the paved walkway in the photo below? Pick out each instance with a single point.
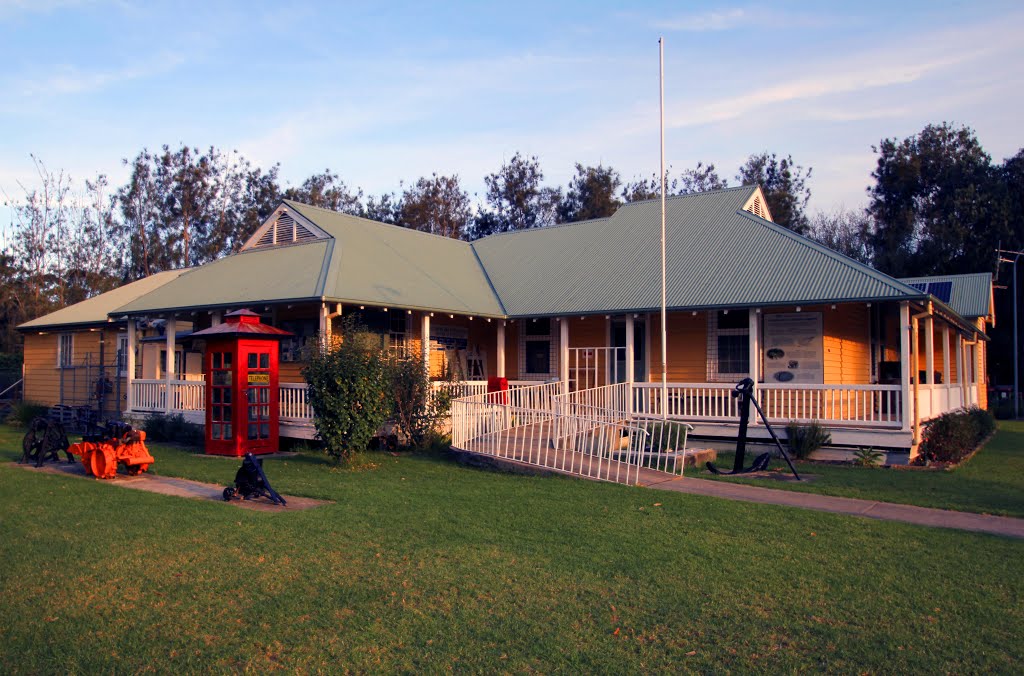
(888, 511)
(183, 488)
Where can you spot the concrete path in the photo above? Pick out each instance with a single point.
(183, 488)
(888, 511)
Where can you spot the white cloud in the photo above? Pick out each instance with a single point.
(67, 79)
(706, 21)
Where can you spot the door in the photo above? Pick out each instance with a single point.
(618, 337)
(220, 401)
(258, 413)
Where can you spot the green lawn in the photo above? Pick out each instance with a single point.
(992, 482)
(421, 564)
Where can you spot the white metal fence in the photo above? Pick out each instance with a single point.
(589, 433)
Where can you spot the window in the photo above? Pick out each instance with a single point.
(397, 335)
(536, 347)
(65, 350)
(178, 359)
(728, 346)
(122, 354)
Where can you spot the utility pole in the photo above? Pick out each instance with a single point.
(1016, 346)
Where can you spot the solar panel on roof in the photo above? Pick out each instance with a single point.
(920, 286)
(941, 290)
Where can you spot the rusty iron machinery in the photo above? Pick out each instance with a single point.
(116, 444)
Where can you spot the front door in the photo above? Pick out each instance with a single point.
(618, 331)
(258, 424)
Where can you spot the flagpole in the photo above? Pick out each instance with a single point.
(664, 311)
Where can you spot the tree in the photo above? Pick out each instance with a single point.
(327, 191)
(591, 194)
(702, 178)
(784, 183)
(140, 230)
(436, 205)
(517, 198)
(937, 204)
(845, 230)
(384, 209)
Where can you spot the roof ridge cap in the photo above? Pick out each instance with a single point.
(370, 221)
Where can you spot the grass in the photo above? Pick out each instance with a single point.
(992, 482)
(423, 565)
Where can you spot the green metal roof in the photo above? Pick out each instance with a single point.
(718, 256)
(970, 296)
(362, 262)
(388, 265)
(250, 277)
(96, 310)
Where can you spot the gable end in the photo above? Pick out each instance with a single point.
(285, 226)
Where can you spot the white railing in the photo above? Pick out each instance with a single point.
(465, 388)
(149, 395)
(587, 433)
(188, 395)
(858, 405)
(293, 399)
(704, 401)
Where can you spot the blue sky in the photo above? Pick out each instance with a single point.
(383, 92)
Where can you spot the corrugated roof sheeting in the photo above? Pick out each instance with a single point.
(95, 310)
(971, 295)
(251, 277)
(718, 256)
(388, 265)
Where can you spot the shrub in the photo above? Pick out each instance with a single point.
(348, 390)
(953, 435)
(173, 428)
(24, 412)
(1004, 409)
(867, 457)
(806, 439)
(416, 409)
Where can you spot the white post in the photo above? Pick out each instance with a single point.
(563, 349)
(499, 354)
(945, 364)
(630, 349)
(169, 333)
(929, 350)
(960, 368)
(216, 317)
(325, 326)
(425, 340)
(905, 412)
(129, 366)
(754, 355)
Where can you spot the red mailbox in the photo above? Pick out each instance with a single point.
(497, 384)
(241, 385)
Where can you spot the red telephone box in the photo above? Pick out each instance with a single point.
(241, 385)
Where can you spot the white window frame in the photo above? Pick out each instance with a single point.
(179, 364)
(65, 353)
(122, 355)
(714, 374)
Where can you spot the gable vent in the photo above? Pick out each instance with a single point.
(756, 207)
(267, 239)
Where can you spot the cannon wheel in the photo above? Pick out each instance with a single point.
(55, 440)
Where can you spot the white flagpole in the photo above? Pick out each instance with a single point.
(664, 311)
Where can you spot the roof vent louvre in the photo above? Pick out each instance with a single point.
(303, 233)
(286, 228)
(756, 207)
(267, 239)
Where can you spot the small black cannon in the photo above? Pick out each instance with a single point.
(745, 391)
(252, 483)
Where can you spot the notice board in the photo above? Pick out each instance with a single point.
(793, 348)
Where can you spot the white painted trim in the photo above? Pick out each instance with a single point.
(748, 205)
(169, 334)
(905, 363)
(499, 355)
(130, 365)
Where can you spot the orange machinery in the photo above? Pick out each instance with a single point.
(119, 444)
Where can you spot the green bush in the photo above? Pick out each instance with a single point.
(348, 390)
(806, 439)
(417, 411)
(173, 428)
(24, 412)
(953, 435)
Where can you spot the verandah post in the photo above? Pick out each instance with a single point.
(130, 366)
(754, 355)
(500, 352)
(425, 341)
(169, 336)
(563, 349)
(905, 365)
